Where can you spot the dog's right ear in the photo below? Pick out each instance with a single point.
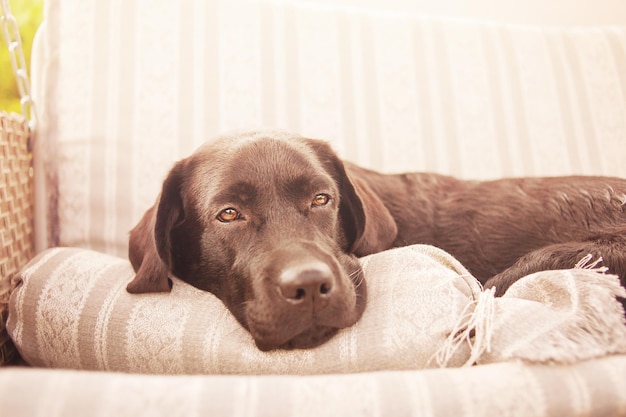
(368, 225)
(149, 248)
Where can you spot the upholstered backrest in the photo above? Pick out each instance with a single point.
(126, 88)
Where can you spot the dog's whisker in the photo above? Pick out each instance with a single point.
(242, 307)
(357, 277)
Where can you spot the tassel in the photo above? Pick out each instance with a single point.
(474, 328)
(584, 264)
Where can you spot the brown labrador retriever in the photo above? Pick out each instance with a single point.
(273, 223)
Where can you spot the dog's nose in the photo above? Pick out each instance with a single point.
(306, 282)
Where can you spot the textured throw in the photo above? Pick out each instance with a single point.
(71, 310)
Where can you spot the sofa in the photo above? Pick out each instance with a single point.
(124, 89)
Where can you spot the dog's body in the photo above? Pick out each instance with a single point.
(272, 224)
(505, 229)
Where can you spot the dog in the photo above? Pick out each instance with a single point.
(273, 224)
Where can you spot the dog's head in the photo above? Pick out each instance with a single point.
(271, 224)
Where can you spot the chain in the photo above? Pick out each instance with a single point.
(14, 41)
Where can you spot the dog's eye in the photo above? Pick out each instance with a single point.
(320, 200)
(228, 215)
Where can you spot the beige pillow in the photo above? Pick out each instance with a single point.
(71, 310)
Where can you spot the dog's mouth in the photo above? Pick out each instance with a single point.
(300, 331)
(310, 338)
(306, 327)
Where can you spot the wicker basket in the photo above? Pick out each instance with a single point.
(16, 214)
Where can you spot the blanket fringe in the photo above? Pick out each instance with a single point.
(593, 266)
(592, 326)
(474, 328)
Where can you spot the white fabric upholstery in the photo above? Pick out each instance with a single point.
(506, 389)
(131, 86)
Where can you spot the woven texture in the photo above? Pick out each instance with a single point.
(71, 310)
(16, 212)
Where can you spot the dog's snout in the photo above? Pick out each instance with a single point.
(306, 282)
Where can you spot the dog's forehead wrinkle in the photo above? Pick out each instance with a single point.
(265, 154)
(239, 192)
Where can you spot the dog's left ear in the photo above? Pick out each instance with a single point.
(368, 225)
(150, 250)
(379, 229)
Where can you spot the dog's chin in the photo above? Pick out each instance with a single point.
(310, 338)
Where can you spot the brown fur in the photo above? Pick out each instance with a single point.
(287, 269)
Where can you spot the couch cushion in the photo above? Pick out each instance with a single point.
(513, 389)
(71, 310)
